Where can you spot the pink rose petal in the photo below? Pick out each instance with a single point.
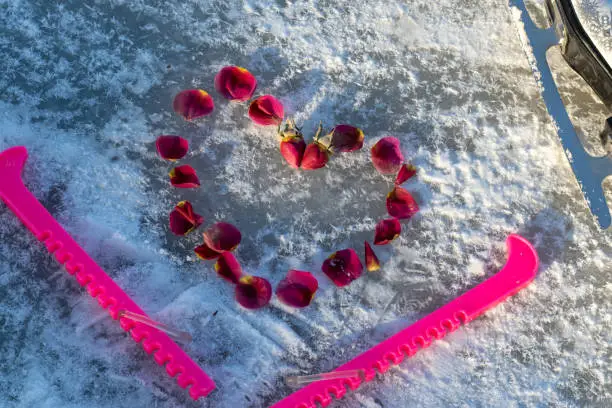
(171, 147)
(204, 252)
(371, 260)
(228, 267)
(222, 236)
(343, 267)
(184, 177)
(266, 111)
(193, 103)
(235, 83)
(387, 230)
(406, 172)
(183, 219)
(315, 157)
(401, 204)
(297, 289)
(387, 156)
(346, 138)
(253, 292)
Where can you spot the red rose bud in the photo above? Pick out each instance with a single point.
(343, 267)
(315, 157)
(387, 156)
(204, 252)
(171, 147)
(222, 237)
(387, 230)
(297, 289)
(228, 267)
(292, 148)
(235, 83)
(371, 260)
(253, 292)
(266, 111)
(401, 204)
(406, 172)
(184, 177)
(183, 220)
(346, 138)
(193, 103)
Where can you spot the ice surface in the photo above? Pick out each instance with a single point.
(87, 86)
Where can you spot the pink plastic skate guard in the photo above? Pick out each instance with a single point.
(519, 271)
(99, 285)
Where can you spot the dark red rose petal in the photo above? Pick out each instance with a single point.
(253, 292)
(235, 83)
(401, 204)
(406, 172)
(343, 267)
(222, 237)
(266, 111)
(346, 138)
(297, 289)
(387, 230)
(228, 267)
(315, 157)
(292, 149)
(171, 147)
(387, 156)
(183, 219)
(371, 260)
(184, 177)
(204, 252)
(193, 103)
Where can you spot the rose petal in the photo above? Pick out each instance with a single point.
(387, 156)
(171, 147)
(292, 148)
(266, 110)
(228, 267)
(183, 219)
(343, 267)
(253, 292)
(346, 138)
(387, 230)
(235, 83)
(371, 260)
(401, 204)
(297, 289)
(222, 237)
(315, 157)
(406, 172)
(184, 177)
(204, 252)
(193, 103)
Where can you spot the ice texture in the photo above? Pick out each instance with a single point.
(88, 86)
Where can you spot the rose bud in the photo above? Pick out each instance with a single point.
(266, 111)
(206, 253)
(292, 148)
(193, 103)
(387, 156)
(346, 138)
(253, 292)
(371, 260)
(343, 267)
(228, 267)
(222, 236)
(297, 289)
(401, 204)
(315, 156)
(184, 177)
(387, 230)
(171, 147)
(406, 172)
(235, 83)
(183, 220)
